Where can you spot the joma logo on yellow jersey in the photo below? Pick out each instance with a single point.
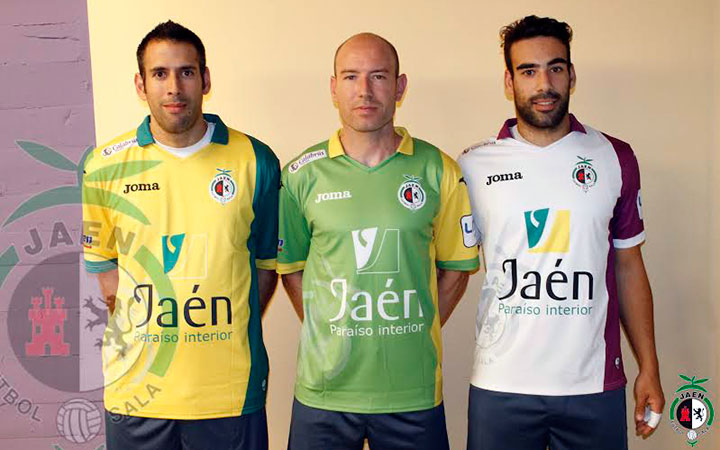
(141, 187)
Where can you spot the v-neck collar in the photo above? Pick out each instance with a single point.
(221, 134)
(406, 147)
(506, 133)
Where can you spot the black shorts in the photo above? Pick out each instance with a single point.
(246, 432)
(502, 421)
(315, 429)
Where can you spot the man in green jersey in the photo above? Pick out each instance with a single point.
(376, 245)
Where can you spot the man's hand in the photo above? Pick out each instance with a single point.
(636, 315)
(647, 392)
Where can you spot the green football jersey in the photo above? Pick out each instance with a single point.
(369, 241)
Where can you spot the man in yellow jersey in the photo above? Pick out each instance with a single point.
(180, 224)
(376, 244)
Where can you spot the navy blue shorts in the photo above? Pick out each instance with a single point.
(501, 421)
(319, 429)
(246, 432)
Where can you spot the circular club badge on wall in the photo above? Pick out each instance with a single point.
(691, 411)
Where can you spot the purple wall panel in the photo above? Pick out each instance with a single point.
(46, 98)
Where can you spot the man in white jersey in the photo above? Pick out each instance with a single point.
(557, 207)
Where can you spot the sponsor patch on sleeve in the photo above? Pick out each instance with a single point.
(114, 148)
(306, 159)
(480, 144)
(87, 241)
(470, 238)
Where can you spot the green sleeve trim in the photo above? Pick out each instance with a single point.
(101, 266)
(466, 265)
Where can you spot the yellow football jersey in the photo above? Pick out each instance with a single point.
(187, 235)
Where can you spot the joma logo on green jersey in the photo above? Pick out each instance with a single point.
(340, 195)
(372, 257)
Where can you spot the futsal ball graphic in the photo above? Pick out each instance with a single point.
(78, 420)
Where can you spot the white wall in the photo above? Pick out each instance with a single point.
(647, 73)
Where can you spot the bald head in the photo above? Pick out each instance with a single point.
(368, 42)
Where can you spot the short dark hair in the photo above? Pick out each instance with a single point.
(392, 50)
(171, 31)
(530, 27)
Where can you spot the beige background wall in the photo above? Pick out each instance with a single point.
(648, 72)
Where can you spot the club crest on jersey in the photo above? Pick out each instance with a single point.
(411, 194)
(584, 174)
(692, 412)
(223, 187)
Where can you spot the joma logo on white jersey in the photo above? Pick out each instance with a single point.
(503, 177)
(332, 196)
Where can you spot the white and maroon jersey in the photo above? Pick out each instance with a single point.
(550, 219)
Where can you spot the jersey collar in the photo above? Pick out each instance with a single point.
(220, 135)
(505, 133)
(335, 147)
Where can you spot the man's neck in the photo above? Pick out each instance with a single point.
(542, 137)
(370, 148)
(179, 140)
